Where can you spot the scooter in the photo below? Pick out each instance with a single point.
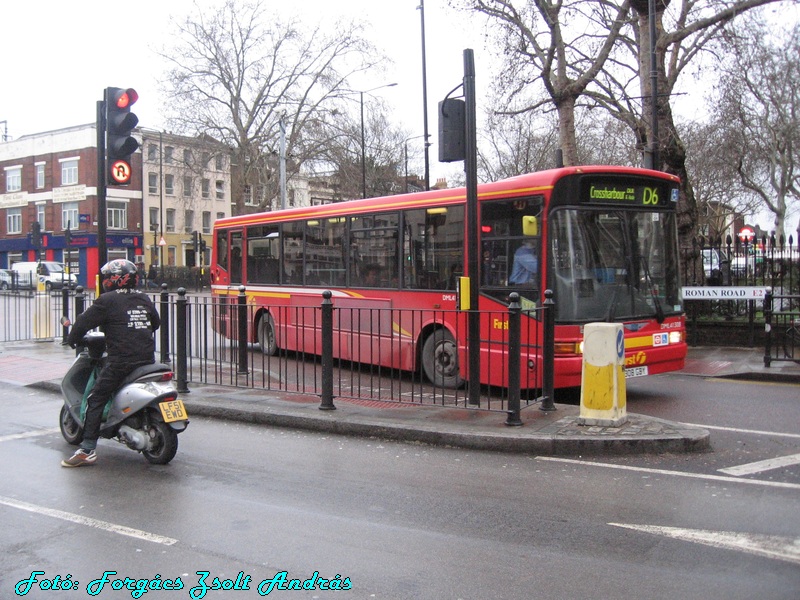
(144, 413)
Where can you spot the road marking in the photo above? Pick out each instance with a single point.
(89, 522)
(751, 431)
(776, 484)
(762, 465)
(27, 434)
(771, 546)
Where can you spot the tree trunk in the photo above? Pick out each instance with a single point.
(671, 152)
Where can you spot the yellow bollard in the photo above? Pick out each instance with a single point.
(603, 394)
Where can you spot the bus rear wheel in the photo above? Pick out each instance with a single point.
(266, 335)
(440, 360)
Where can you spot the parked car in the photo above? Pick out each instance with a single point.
(5, 279)
(716, 266)
(53, 274)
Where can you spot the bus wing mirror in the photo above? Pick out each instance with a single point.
(530, 226)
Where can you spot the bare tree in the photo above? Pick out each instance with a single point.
(576, 50)
(543, 52)
(720, 197)
(758, 110)
(240, 76)
(515, 145)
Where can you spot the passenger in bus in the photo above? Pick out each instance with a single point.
(371, 275)
(525, 265)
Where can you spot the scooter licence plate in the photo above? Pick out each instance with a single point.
(173, 410)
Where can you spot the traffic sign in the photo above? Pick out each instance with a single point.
(746, 234)
(120, 172)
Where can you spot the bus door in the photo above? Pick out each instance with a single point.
(511, 262)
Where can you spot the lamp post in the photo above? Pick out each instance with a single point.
(421, 9)
(363, 142)
(159, 227)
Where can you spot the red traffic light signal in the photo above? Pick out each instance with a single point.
(120, 144)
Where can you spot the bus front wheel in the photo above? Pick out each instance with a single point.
(440, 360)
(266, 335)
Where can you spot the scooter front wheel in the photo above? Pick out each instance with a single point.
(70, 428)
(163, 443)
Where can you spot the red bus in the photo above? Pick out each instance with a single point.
(604, 239)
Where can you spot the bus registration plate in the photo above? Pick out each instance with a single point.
(635, 372)
(174, 410)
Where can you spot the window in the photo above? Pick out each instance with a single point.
(188, 221)
(152, 183)
(168, 152)
(220, 215)
(248, 195)
(69, 215)
(206, 158)
(206, 188)
(152, 152)
(153, 219)
(219, 162)
(187, 186)
(39, 176)
(169, 185)
(433, 247)
(170, 219)
(69, 171)
(206, 221)
(117, 215)
(40, 216)
(13, 179)
(14, 220)
(373, 250)
(220, 189)
(188, 159)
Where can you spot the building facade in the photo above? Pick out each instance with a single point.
(50, 178)
(187, 186)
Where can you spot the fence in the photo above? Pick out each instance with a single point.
(206, 339)
(769, 263)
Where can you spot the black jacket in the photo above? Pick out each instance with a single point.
(128, 318)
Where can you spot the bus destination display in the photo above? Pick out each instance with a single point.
(631, 194)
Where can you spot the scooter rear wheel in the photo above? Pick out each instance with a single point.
(70, 428)
(164, 442)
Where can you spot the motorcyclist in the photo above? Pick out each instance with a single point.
(128, 319)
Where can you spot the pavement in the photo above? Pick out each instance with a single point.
(42, 364)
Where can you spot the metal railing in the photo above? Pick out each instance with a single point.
(347, 352)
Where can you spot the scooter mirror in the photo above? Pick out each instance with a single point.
(65, 322)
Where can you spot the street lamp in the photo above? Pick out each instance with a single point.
(421, 9)
(363, 142)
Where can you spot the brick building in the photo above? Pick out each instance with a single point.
(51, 178)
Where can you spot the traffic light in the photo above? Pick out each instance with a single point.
(120, 144)
(36, 235)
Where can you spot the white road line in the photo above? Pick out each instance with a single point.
(771, 546)
(775, 484)
(27, 434)
(751, 431)
(88, 521)
(762, 465)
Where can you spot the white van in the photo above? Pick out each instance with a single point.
(52, 274)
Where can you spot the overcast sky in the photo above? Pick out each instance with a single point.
(59, 57)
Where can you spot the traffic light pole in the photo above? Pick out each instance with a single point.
(102, 248)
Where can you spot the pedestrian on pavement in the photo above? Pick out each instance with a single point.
(128, 319)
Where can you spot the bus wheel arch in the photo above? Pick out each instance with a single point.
(266, 334)
(439, 359)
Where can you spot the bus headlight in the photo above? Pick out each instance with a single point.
(675, 337)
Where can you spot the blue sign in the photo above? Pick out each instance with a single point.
(84, 218)
(620, 344)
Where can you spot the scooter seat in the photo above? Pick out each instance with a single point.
(145, 370)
